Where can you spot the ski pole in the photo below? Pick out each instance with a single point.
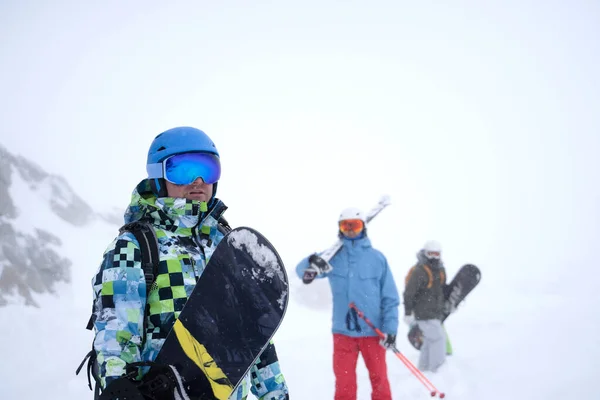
(415, 371)
(411, 367)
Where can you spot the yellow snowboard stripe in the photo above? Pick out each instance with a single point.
(196, 352)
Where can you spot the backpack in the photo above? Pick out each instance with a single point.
(146, 237)
(429, 275)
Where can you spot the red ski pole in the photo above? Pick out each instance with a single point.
(411, 367)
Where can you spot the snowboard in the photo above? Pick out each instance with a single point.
(448, 342)
(230, 317)
(321, 262)
(465, 280)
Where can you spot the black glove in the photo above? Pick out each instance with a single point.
(122, 388)
(316, 266)
(309, 275)
(389, 342)
(318, 263)
(159, 383)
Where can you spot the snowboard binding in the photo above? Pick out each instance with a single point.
(415, 336)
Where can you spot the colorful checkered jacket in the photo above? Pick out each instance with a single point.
(187, 235)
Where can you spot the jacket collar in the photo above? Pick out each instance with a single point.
(167, 212)
(353, 243)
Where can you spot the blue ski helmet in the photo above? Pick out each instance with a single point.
(179, 140)
(183, 139)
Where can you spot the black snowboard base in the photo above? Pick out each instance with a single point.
(230, 317)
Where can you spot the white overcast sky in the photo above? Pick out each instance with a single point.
(481, 119)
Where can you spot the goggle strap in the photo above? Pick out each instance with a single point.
(155, 170)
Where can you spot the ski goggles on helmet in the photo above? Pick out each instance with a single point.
(351, 225)
(433, 254)
(184, 169)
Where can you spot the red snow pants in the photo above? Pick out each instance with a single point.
(345, 357)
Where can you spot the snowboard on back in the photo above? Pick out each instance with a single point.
(465, 280)
(230, 317)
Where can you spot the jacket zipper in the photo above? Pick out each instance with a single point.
(198, 244)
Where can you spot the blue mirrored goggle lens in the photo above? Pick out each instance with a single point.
(183, 169)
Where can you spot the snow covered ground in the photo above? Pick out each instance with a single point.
(508, 344)
(528, 331)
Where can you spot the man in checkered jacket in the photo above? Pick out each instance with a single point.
(178, 200)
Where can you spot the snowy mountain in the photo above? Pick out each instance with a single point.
(32, 203)
(51, 243)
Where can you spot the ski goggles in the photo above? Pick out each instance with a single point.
(184, 169)
(351, 225)
(433, 254)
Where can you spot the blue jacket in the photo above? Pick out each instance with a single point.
(361, 275)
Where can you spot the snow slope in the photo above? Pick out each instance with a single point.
(520, 352)
(527, 336)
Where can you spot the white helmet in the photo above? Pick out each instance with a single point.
(432, 246)
(352, 213)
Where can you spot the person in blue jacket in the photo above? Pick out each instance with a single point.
(359, 274)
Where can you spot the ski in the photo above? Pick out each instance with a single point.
(321, 261)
